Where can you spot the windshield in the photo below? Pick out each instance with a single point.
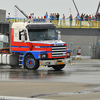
(42, 34)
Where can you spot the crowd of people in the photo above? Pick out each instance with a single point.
(82, 17)
(56, 16)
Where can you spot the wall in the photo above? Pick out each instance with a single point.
(82, 37)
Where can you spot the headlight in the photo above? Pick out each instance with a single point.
(43, 56)
(68, 54)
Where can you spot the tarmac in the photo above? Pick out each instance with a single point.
(50, 91)
(53, 87)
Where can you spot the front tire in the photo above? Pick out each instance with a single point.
(58, 67)
(31, 63)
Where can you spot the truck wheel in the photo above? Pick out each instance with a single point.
(58, 67)
(31, 63)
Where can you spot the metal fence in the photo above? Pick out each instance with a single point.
(76, 24)
(86, 50)
(65, 23)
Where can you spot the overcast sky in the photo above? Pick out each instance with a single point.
(39, 7)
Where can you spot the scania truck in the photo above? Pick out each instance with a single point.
(33, 44)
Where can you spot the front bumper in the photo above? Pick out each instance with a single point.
(54, 62)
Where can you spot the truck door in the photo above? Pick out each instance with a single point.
(16, 42)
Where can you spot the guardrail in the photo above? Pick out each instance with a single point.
(76, 24)
(16, 20)
(64, 23)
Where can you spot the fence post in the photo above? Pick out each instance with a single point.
(90, 24)
(60, 23)
(70, 23)
(97, 24)
(80, 24)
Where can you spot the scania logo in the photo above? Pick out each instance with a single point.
(58, 44)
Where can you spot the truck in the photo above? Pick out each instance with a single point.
(33, 44)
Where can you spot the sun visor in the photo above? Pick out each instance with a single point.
(40, 26)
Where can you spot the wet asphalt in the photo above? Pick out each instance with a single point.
(81, 71)
(79, 81)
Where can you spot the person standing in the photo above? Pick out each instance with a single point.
(70, 18)
(8, 17)
(32, 16)
(77, 18)
(98, 17)
(57, 16)
(46, 15)
(82, 16)
(89, 18)
(63, 18)
(86, 17)
(51, 17)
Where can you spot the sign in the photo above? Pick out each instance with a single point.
(39, 20)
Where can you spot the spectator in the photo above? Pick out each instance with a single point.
(8, 18)
(86, 17)
(89, 18)
(95, 18)
(57, 16)
(77, 18)
(70, 18)
(63, 18)
(32, 16)
(46, 15)
(8, 15)
(54, 16)
(98, 17)
(92, 18)
(82, 17)
(51, 17)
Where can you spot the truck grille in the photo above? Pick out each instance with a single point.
(58, 51)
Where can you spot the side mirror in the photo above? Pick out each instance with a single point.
(59, 34)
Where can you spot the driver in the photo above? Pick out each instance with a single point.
(44, 34)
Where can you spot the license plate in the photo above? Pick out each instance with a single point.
(60, 63)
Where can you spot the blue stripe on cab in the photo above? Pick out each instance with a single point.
(23, 47)
(20, 46)
(14, 46)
